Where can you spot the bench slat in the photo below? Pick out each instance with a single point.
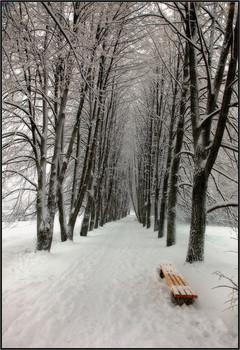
(187, 291)
(184, 292)
(173, 280)
(179, 280)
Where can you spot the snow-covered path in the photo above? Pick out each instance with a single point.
(104, 291)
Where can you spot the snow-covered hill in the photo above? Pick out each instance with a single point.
(104, 290)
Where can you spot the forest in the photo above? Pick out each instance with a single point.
(119, 156)
(109, 106)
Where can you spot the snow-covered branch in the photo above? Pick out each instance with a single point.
(22, 175)
(210, 116)
(229, 146)
(222, 205)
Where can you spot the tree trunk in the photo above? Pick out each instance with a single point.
(148, 210)
(44, 227)
(173, 187)
(93, 210)
(169, 155)
(87, 213)
(62, 216)
(45, 223)
(198, 218)
(158, 128)
(44, 218)
(85, 223)
(204, 161)
(149, 176)
(45, 234)
(165, 184)
(98, 210)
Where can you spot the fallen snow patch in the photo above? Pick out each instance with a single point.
(104, 290)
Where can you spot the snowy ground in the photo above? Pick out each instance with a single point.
(104, 290)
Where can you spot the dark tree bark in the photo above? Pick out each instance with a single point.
(169, 156)
(206, 150)
(173, 187)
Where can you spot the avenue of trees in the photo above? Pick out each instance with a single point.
(188, 122)
(118, 104)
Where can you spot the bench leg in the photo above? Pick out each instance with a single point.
(181, 301)
(189, 301)
(161, 274)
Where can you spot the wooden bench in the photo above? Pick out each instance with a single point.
(181, 291)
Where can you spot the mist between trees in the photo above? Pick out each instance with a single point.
(109, 106)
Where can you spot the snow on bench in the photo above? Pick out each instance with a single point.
(181, 291)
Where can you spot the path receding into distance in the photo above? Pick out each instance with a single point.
(102, 290)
